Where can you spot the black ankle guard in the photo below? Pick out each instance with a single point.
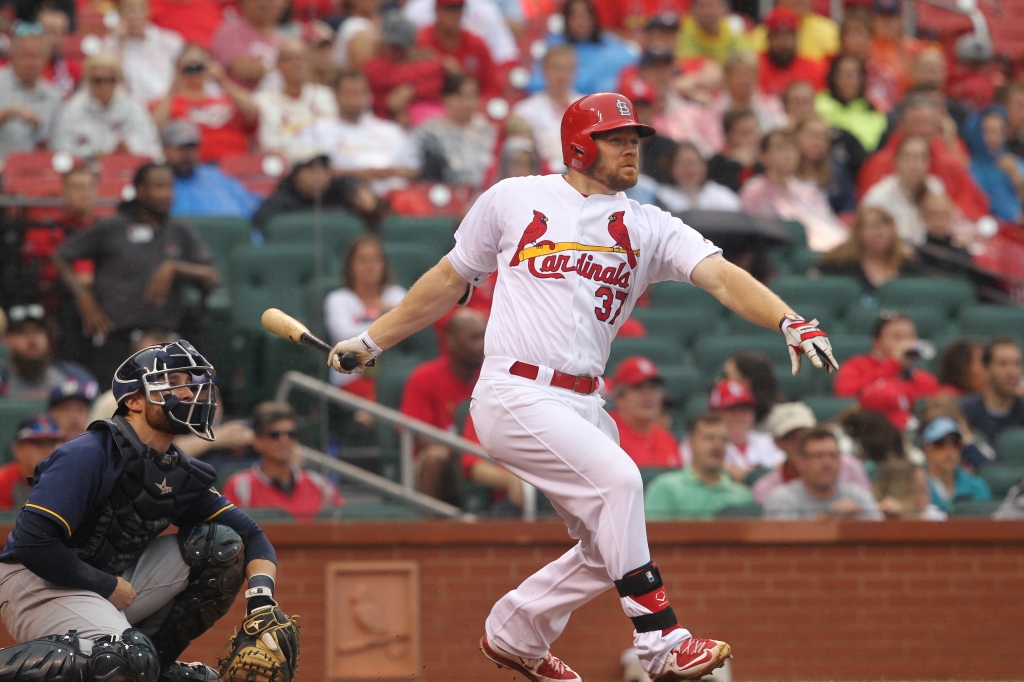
(643, 581)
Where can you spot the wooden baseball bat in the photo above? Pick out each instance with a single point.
(287, 327)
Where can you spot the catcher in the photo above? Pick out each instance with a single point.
(89, 586)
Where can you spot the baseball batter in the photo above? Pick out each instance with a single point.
(90, 588)
(573, 255)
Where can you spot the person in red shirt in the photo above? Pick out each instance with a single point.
(34, 440)
(276, 481)
(406, 82)
(461, 51)
(886, 380)
(223, 110)
(433, 393)
(629, 17)
(636, 387)
(194, 20)
(779, 64)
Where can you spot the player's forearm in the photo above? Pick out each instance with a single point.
(739, 292)
(433, 295)
(261, 566)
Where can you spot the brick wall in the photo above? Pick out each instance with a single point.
(797, 601)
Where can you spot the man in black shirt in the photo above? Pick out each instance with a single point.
(998, 406)
(143, 257)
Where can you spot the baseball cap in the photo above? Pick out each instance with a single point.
(891, 7)
(635, 370)
(785, 418)
(73, 389)
(939, 428)
(399, 31)
(781, 19)
(22, 313)
(181, 133)
(730, 393)
(640, 91)
(38, 427)
(663, 21)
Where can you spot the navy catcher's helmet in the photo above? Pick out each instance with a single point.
(157, 371)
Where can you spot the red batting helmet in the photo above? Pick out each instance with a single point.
(594, 114)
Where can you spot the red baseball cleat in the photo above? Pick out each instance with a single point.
(547, 669)
(693, 659)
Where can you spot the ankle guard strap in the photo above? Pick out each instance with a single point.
(644, 586)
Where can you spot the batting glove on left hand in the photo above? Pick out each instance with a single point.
(804, 337)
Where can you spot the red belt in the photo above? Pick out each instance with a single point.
(570, 382)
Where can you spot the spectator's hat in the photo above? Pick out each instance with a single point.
(317, 33)
(635, 370)
(38, 427)
(890, 7)
(657, 55)
(666, 21)
(25, 313)
(181, 133)
(939, 428)
(398, 31)
(730, 393)
(73, 389)
(781, 19)
(640, 91)
(308, 155)
(785, 418)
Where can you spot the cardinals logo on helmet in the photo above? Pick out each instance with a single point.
(617, 229)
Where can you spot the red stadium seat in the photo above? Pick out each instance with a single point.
(117, 171)
(32, 174)
(261, 173)
(432, 199)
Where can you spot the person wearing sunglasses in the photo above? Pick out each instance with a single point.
(101, 118)
(941, 441)
(275, 479)
(32, 372)
(28, 104)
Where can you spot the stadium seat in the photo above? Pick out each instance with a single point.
(1010, 447)
(931, 321)
(683, 296)
(682, 326)
(822, 312)
(975, 508)
(273, 276)
(222, 235)
(827, 407)
(117, 171)
(743, 511)
(261, 173)
(648, 474)
(1001, 477)
(409, 261)
(845, 346)
(436, 232)
(992, 320)
(834, 291)
(420, 346)
(711, 351)
(13, 411)
(950, 293)
(32, 174)
(797, 232)
(693, 408)
(280, 356)
(658, 350)
(802, 385)
(268, 514)
(802, 260)
(681, 382)
(339, 229)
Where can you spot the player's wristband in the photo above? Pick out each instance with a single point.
(260, 592)
(367, 343)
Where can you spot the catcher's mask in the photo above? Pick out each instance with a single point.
(162, 372)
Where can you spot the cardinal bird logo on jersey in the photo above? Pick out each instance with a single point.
(617, 229)
(534, 231)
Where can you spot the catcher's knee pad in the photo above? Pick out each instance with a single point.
(61, 658)
(644, 586)
(215, 554)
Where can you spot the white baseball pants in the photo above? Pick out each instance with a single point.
(566, 445)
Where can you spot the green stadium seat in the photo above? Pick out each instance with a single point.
(931, 321)
(1001, 477)
(273, 276)
(950, 293)
(280, 356)
(802, 260)
(409, 261)
(845, 346)
(268, 514)
(827, 407)
(837, 292)
(339, 228)
(438, 233)
(802, 385)
(420, 346)
(993, 320)
(13, 411)
(711, 351)
(693, 408)
(823, 313)
(228, 470)
(683, 296)
(1010, 447)
(391, 378)
(681, 382)
(797, 232)
(648, 474)
(975, 508)
(658, 350)
(743, 511)
(222, 235)
(682, 326)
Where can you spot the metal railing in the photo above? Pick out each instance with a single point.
(410, 427)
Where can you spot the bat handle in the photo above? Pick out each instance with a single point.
(349, 361)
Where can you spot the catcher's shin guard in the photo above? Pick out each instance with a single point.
(64, 658)
(214, 552)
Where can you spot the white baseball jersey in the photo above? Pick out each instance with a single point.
(566, 281)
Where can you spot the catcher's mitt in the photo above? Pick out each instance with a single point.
(265, 650)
